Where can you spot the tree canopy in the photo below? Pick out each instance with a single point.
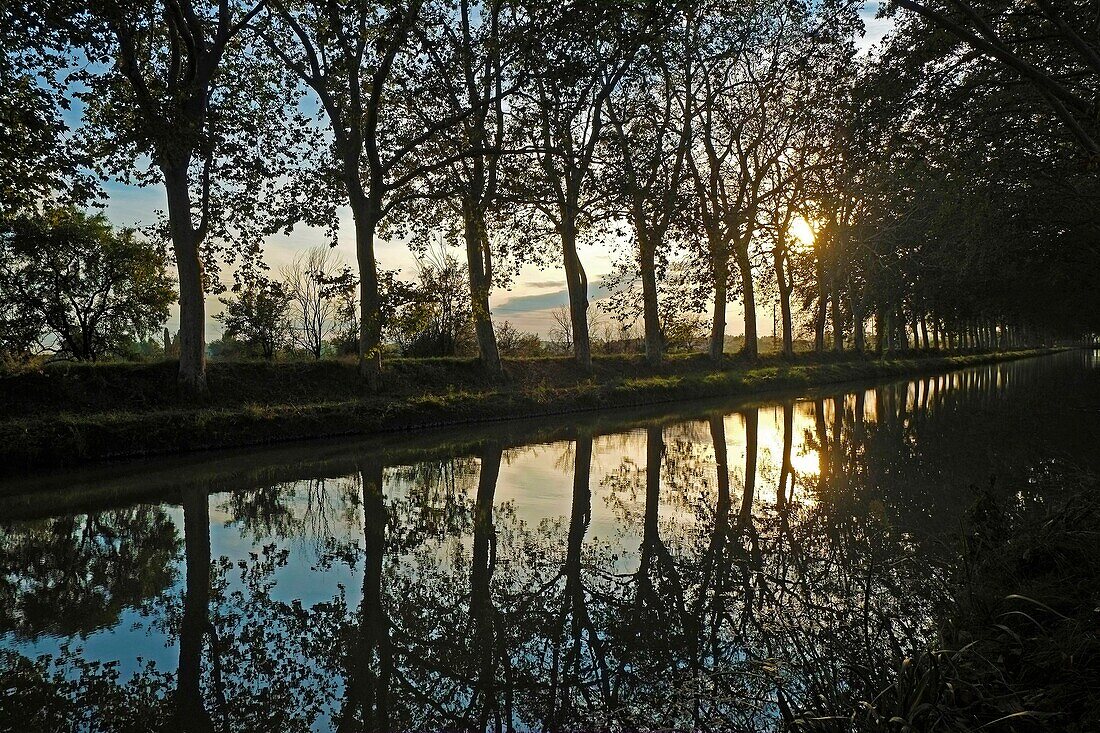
(946, 176)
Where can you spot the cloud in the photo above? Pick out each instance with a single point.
(543, 284)
(874, 28)
(545, 301)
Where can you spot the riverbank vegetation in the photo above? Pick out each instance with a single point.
(69, 414)
(914, 194)
(1017, 644)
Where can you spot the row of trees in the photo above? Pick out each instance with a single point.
(697, 138)
(312, 309)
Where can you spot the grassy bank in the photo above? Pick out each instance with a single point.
(72, 414)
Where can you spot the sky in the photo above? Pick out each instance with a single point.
(528, 305)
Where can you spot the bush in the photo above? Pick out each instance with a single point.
(71, 284)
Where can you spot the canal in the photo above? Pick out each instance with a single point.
(719, 565)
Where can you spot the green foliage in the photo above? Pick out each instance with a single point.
(258, 314)
(1017, 641)
(72, 285)
(213, 114)
(515, 343)
(38, 161)
(954, 194)
(434, 316)
(81, 412)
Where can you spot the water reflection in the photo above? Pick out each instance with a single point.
(69, 574)
(733, 570)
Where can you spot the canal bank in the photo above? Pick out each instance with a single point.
(67, 417)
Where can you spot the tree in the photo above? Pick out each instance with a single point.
(939, 207)
(171, 83)
(747, 73)
(365, 64)
(433, 317)
(38, 162)
(561, 332)
(726, 187)
(342, 288)
(514, 342)
(258, 313)
(1052, 46)
(650, 113)
(311, 284)
(479, 61)
(581, 52)
(678, 311)
(72, 285)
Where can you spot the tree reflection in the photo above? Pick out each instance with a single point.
(72, 575)
(707, 607)
(578, 677)
(192, 714)
(369, 662)
(490, 700)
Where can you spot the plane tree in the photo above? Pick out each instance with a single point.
(650, 116)
(481, 62)
(368, 67)
(173, 97)
(580, 53)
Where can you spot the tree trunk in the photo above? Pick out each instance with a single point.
(859, 338)
(878, 331)
(370, 315)
(887, 332)
(780, 257)
(577, 284)
(654, 346)
(720, 270)
(365, 214)
(479, 263)
(185, 243)
(750, 348)
(821, 314)
(838, 318)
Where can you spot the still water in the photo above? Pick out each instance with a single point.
(710, 566)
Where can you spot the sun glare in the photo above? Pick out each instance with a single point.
(802, 232)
